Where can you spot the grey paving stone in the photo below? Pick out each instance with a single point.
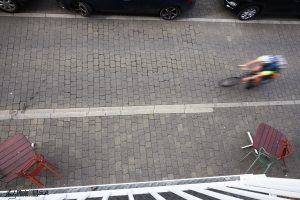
(160, 62)
(178, 145)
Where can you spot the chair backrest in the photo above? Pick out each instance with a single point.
(274, 141)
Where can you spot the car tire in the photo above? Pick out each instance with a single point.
(84, 9)
(9, 6)
(249, 13)
(169, 12)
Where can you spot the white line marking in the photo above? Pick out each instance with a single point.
(141, 18)
(133, 110)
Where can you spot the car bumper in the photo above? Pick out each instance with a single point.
(21, 2)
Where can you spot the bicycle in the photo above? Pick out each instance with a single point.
(236, 80)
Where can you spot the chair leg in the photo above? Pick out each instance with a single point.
(252, 165)
(50, 164)
(33, 180)
(37, 182)
(54, 172)
(46, 164)
(268, 167)
(38, 169)
(248, 154)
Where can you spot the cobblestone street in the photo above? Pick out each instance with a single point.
(62, 63)
(73, 63)
(101, 150)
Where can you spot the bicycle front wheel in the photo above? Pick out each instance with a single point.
(229, 82)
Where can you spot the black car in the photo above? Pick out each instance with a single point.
(11, 6)
(167, 9)
(248, 9)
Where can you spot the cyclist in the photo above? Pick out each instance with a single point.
(265, 66)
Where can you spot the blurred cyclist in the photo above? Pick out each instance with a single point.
(265, 66)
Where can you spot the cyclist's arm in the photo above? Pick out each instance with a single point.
(252, 62)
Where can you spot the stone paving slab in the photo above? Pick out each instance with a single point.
(62, 63)
(100, 150)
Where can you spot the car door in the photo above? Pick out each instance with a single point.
(107, 5)
(143, 6)
(131, 6)
(282, 6)
(297, 7)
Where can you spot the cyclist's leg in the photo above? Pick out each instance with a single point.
(257, 78)
(268, 73)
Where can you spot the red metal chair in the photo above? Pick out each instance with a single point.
(35, 167)
(18, 158)
(273, 142)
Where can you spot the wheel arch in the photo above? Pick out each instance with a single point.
(170, 5)
(260, 6)
(75, 2)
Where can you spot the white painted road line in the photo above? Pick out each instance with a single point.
(142, 18)
(134, 110)
(101, 111)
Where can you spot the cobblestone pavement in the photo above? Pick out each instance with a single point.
(62, 63)
(99, 150)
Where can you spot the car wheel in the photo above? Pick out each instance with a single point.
(249, 13)
(8, 6)
(84, 9)
(169, 13)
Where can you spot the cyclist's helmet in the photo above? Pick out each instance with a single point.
(269, 59)
(281, 61)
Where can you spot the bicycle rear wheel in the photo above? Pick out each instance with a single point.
(229, 82)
